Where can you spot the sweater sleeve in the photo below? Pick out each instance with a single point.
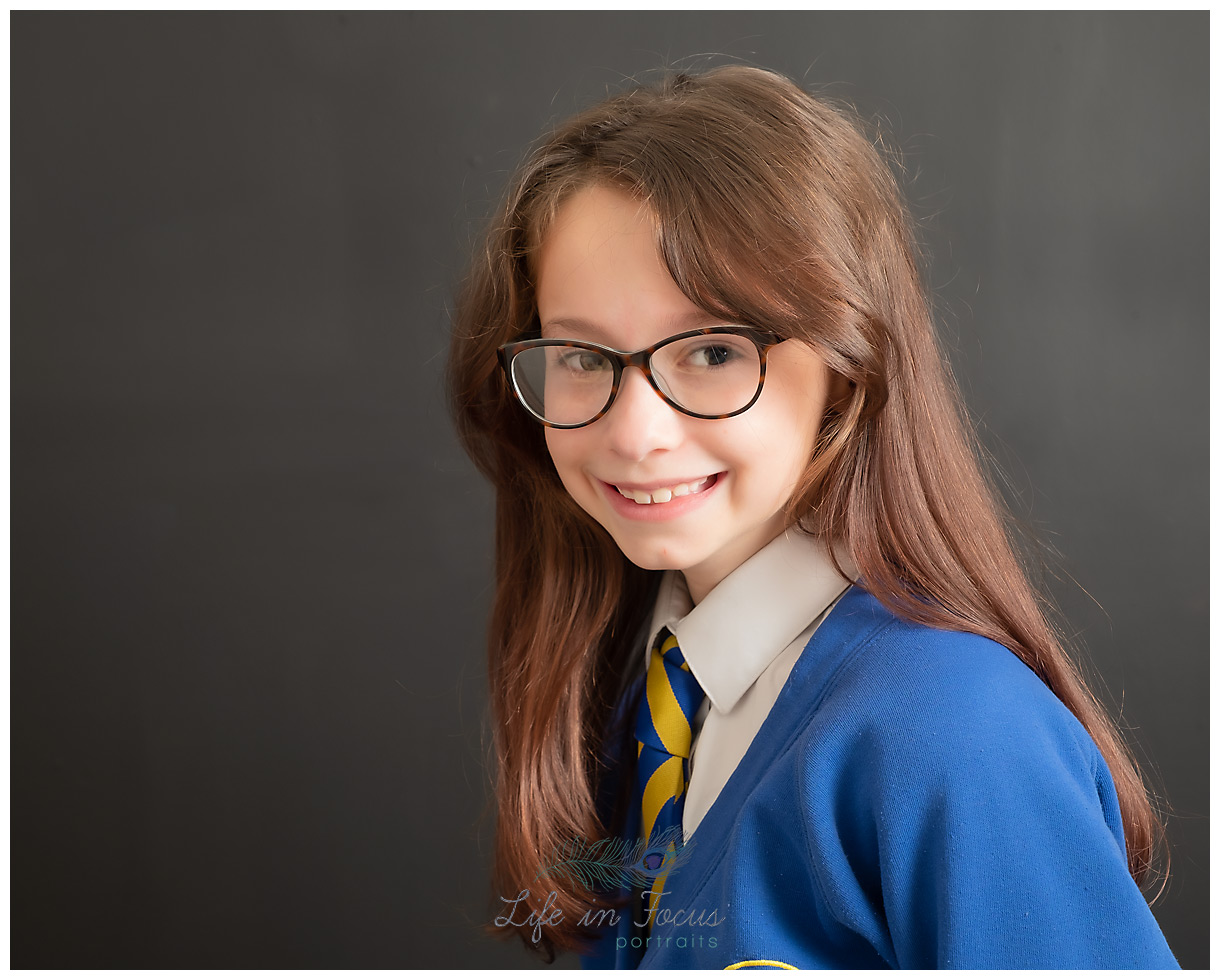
(977, 820)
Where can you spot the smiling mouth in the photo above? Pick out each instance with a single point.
(663, 495)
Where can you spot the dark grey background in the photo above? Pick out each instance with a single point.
(251, 565)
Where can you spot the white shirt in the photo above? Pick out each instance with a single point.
(741, 642)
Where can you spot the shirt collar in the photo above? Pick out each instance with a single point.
(755, 612)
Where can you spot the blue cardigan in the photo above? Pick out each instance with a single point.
(916, 799)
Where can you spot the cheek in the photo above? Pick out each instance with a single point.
(559, 451)
(785, 426)
(775, 452)
(799, 410)
(565, 447)
(801, 381)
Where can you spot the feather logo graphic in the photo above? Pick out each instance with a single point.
(617, 863)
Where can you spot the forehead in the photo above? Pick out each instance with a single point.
(599, 274)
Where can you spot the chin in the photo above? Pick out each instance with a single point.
(654, 558)
(655, 565)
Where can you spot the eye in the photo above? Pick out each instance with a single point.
(577, 360)
(711, 355)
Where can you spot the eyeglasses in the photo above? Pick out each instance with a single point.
(711, 373)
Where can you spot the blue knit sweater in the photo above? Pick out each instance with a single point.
(916, 799)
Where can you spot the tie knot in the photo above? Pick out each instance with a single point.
(667, 646)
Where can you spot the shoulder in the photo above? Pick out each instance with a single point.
(952, 705)
(956, 813)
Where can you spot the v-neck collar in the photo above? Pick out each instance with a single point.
(855, 619)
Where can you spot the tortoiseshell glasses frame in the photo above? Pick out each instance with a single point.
(642, 359)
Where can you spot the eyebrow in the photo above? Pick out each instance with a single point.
(579, 328)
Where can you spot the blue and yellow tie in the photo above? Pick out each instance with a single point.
(672, 695)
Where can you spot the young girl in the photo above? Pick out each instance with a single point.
(760, 638)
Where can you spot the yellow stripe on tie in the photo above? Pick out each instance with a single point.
(665, 783)
(667, 717)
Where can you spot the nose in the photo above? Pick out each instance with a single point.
(640, 422)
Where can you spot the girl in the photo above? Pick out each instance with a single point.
(760, 639)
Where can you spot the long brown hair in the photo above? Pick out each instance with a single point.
(774, 209)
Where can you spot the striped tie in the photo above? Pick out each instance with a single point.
(663, 730)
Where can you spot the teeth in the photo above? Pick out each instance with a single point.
(663, 495)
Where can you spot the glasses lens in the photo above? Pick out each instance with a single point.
(563, 384)
(712, 374)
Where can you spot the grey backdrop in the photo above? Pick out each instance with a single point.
(251, 566)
